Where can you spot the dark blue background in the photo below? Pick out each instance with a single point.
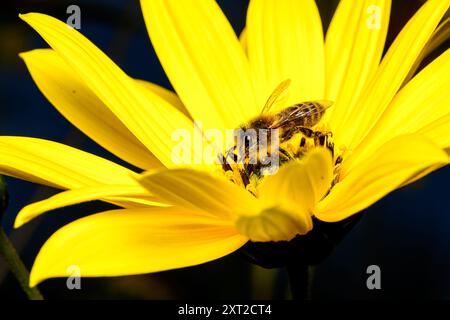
(406, 233)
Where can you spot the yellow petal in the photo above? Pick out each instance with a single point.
(203, 59)
(438, 131)
(392, 72)
(440, 35)
(243, 39)
(167, 95)
(285, 41)
(128, 242)
(76, 196)
(422, 102)
(200, 191)
(386, 170)
(78, 104)
(353, 49)
(54, 164)
(288, 198)
(299, 185)
(149, 117)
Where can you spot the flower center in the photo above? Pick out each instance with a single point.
(283, 212)
(261, 152)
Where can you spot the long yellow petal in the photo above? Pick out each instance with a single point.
(353, 49)
(167, 95)
(438, 131)
(149, 117)
(78, 104)
(203, 59)
(386, 170)
(200, 191)
(57, 165)
(128, 242)
(339, 42)
(80, 195)
(285, 41)
(288, 198)
(422, 102)
(392, 72)
(440, 36)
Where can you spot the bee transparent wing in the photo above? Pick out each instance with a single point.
(277, 95)
(303, 110)
(285, 118)
(325, 103)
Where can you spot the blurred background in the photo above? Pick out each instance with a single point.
(407, 234)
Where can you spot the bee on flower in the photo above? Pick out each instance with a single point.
(353, 126)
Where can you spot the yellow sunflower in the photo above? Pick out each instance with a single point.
(388, 129)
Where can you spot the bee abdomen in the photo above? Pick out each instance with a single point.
(306, 114)
(316, 113)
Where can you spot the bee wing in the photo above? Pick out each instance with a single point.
(303, 110)
(325, 103)
(276, 95)
(297, 113)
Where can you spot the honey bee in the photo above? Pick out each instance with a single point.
(299, 118)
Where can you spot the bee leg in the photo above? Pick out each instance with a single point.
(319, 139)
(302, 142)
(285, 154)
(232, 155)
(224, 160)
(309, 133)
(288, 134)
(244, 177)
(225, 165)
(249, 169)
(302, 148)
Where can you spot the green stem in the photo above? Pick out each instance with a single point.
(301, 278)
(17, 267)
